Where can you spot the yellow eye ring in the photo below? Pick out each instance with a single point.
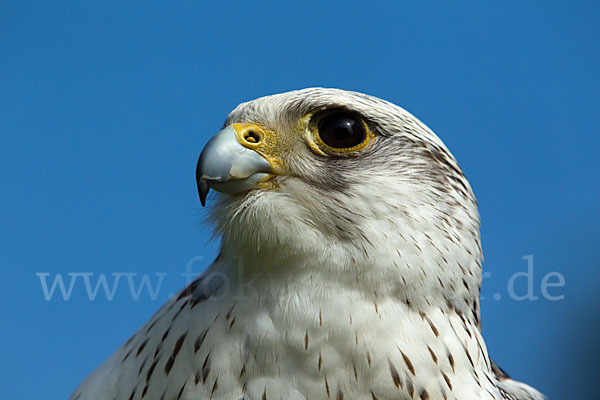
(341, 132)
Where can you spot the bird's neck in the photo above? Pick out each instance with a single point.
(312, 319)
(421, 271)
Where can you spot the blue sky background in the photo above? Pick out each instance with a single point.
(105, 106)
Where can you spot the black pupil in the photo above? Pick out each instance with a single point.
(341, 130)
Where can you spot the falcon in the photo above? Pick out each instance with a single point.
(349, 267)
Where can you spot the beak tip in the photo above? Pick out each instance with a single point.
(203, 190)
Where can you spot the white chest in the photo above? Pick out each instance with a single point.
(338, 345)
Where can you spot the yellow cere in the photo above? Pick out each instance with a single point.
(262, 140)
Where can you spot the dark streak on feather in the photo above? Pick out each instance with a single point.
(181, 391)
(408, 363)
(395, 377)
(206, 368)
(176, 349)
(139, 350)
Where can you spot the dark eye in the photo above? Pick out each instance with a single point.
(342, 130)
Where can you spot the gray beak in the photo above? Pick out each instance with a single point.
(227, 166)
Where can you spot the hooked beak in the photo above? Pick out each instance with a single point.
(227, 166)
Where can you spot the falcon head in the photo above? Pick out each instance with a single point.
(350, 187)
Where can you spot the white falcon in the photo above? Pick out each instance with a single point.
(349, 268)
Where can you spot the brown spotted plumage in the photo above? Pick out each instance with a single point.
(349, 268)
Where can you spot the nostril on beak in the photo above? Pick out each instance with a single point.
(251, 137)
